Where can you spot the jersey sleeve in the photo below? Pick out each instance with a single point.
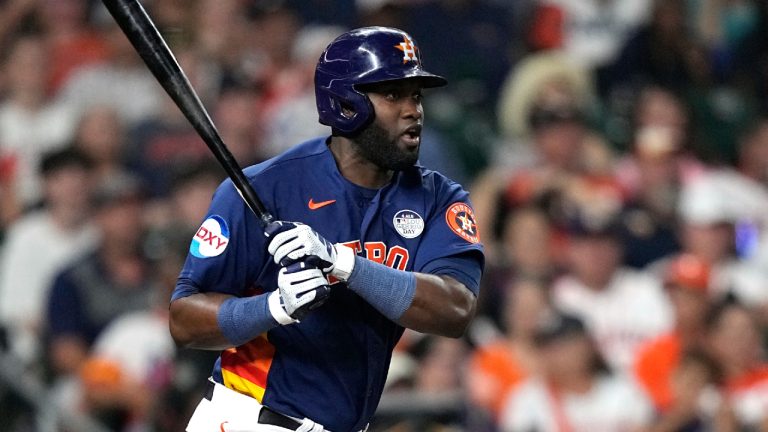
(451, 243)
(228, 251)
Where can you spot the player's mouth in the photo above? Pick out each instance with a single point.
(411, 136)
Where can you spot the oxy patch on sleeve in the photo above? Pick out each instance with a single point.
(211, 239)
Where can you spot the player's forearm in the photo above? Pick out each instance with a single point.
(194, 321)
(423, 302)
(217, 321)
(441, 306)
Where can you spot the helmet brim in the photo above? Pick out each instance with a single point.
(426, 79)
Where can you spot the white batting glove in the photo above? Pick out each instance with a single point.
(300, 289)
(301, 243)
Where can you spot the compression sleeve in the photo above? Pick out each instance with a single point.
(388, 290)
(242, 319)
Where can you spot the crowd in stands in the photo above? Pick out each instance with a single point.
(617, 157)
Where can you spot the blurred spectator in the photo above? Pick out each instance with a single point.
(753, 152)
(734, 339)
(660, 52)
(440, 366)
(590, 32)
(721, 212)
(498, 367)
(687, 282)
(233, 114)
(41, 244)
(692, 385)
(72, 40)
(14, 15)
(273, 31)
(220, 30)
(158, 143)
(527, 252)
(101, 138)
(652, 174)
(192, 186)
(575, 392)
(613, 301)
(294, 119)
(543, 111)
(666, 54)
(122, 82)
(726, 28)
(129, 367)
(540, 79)
(112, 280)
(30, 125)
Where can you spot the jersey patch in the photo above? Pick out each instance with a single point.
(408, 223)
(211, 239)
(461, 220)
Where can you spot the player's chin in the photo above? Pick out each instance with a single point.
(405, 159)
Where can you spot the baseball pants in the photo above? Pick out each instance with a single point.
(225, 410)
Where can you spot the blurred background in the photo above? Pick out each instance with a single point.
(617, 157)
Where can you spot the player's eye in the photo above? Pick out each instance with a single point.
(417, 96)
(391, 95)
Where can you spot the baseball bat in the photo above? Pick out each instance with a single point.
(146, 39)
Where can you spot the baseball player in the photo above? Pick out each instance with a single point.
(307, 314)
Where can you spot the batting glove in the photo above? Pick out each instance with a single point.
(300, 289)
(292, 242)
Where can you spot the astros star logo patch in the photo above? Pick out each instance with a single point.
(408, 49)
(461, 220)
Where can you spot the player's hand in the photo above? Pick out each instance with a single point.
(302, 288)
(293, 241)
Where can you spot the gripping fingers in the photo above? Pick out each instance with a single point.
(302, 288)
(286, 240)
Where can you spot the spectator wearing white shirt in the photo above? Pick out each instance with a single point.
(723, 217)
(41, 244)
(622, 308)
(31, 124)
(575, 392)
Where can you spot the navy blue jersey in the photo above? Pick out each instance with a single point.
(331, 366)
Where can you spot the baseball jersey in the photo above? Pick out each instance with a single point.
(331, 366)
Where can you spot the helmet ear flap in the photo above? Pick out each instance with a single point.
(346, 109)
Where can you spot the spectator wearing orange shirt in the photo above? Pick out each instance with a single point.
(686, 281)
(496, 368)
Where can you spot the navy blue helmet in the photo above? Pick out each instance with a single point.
(364, 56)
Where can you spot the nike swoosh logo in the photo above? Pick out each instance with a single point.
(314, 206)
(221, 426)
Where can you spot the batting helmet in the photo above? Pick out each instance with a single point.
(364, 56)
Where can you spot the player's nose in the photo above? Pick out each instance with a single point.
(412, 109)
